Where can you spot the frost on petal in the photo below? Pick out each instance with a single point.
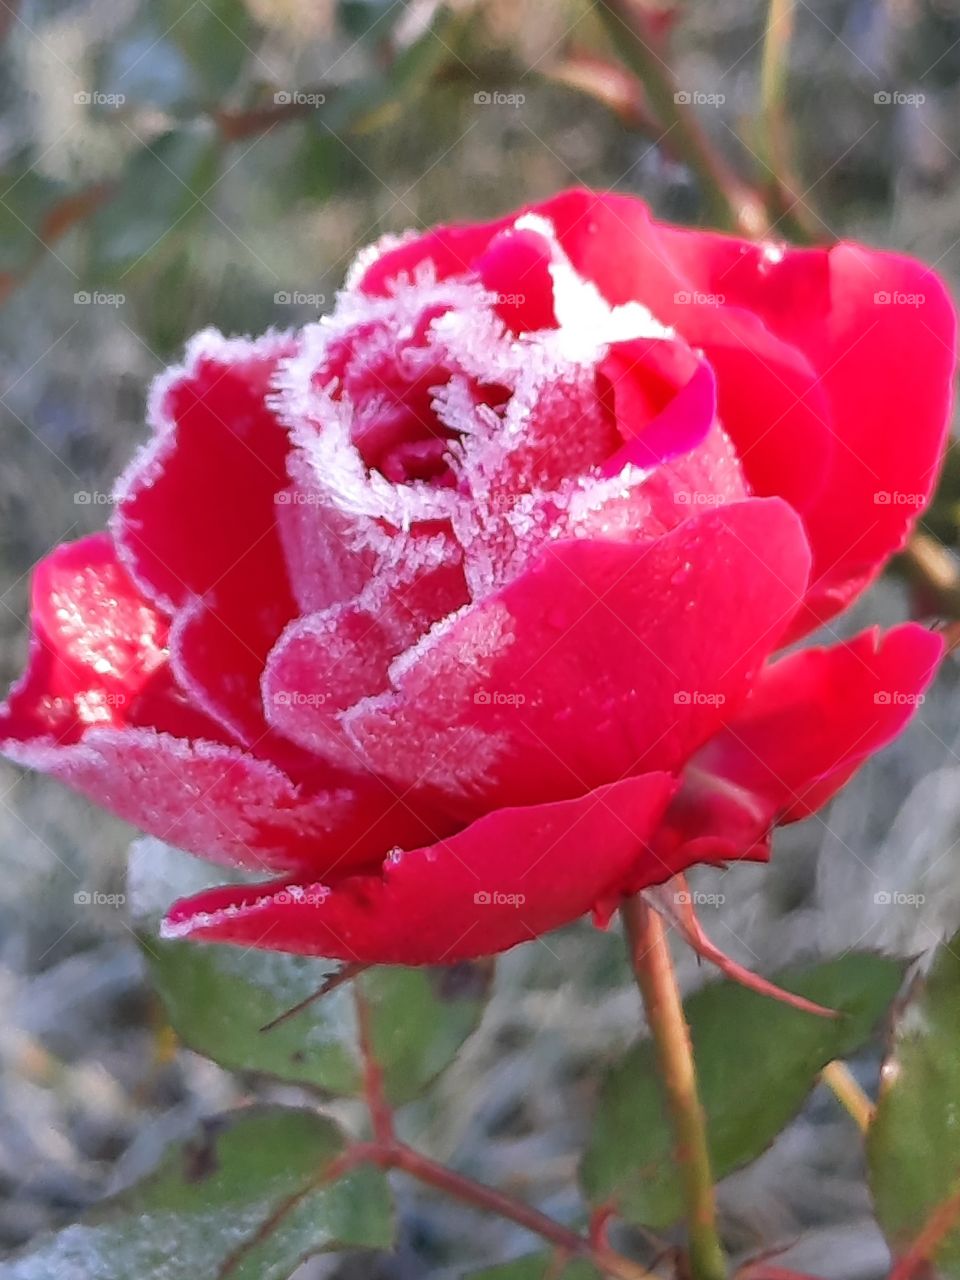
(198, 498)
(568, 676)
(507, 878)
(226, 805)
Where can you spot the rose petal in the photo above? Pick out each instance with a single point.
(813, 718)
(509, 877)
(196, 520)
(228, 806)
(587, 667)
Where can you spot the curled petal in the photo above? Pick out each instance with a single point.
(509, 877)
(813, 718)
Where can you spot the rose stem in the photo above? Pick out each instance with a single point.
(798, 220)
(389, 1153)
(730, 201)
(653, 966)
(841, 1083)
(918, 1258)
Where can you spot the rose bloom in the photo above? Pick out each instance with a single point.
(456, 614)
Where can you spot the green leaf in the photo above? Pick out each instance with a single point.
(219, 997)
(217, 37)
(26, 198)
(756, 1059)
(914, 1143)
(536, 1266)
(244, 1201)
(379, 101)
(163, 189)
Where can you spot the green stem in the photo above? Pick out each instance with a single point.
(730, 202)
(792, 213)
(653, 966)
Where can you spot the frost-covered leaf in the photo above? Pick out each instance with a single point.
(219, 997)
(914, 1142)
(756, 1059)
(245, 1200)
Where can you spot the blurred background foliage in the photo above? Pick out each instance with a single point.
(168, 165)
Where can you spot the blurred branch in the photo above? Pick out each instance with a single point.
(388, 1152)
(63, 217)
(918, 1260)
(612, 85)
(774, 128)
(841, 1083)
(730, 201)
(930, 568)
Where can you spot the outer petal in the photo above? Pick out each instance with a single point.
(507, 878)
(98, 689)
(835, 368)
(225, 805)
(97, 653)
(604, 659)
(813, 718)
(834, 365)
(196, 520)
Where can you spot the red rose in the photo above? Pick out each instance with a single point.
(454, 612)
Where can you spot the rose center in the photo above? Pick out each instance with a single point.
(390, 378)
